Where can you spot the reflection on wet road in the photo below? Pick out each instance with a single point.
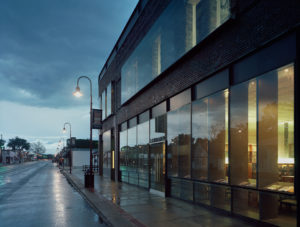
(37, 194)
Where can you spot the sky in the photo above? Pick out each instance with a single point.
(45, 45)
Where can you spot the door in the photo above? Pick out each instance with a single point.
(157, 166)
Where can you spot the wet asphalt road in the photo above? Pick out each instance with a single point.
(37, 194)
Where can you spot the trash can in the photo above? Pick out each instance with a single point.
(89, 179)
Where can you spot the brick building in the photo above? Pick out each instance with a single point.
(200, 103)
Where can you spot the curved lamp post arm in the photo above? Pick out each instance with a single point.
(67, 123)
(91, 91)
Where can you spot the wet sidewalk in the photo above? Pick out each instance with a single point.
(121, 204)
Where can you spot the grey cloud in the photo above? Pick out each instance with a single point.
(45, 45)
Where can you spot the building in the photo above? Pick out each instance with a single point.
(199, 102)
(80, 153)
(10, 156)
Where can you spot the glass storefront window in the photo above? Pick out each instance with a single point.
(181, 26)
(278, 209)
(124, 156)
(107, 150)
(200, 139)
(202, 193)
(158, 128)
(243, 134)
(218, 137)
(143, 152)
(220, 197)
(103, 102)
(132, 151)
(276, 130)
(179, 142)
(108, 98)
(246, 202)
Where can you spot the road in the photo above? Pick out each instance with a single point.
(37, 194)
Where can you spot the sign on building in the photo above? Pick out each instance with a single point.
(97, 119)
(72, 142)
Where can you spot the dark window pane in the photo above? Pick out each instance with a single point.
(246, 203)
(123, 126)
(158, 110)
(107, 153)
(124, 162)
(277, 209)
(108, 104)
(158, 128)
(179, 28)
(144, 117)
(143, 152)
(218, 82)
(103, 102)
(180, 99)
(179, 142)
(132, 122)
(221, 197)
(202, 193)
(200, 139)
(218, 137)
(243, 134)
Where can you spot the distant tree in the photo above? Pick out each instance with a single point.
(2, 142)
(18, 144)
(37, 148)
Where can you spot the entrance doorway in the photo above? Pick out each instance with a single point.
(157, 169)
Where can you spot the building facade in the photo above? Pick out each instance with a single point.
(199, 101)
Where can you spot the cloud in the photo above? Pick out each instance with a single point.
(46, 45)
(43, 124)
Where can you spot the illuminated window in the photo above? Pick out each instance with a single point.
(276, 130)
(243, 134)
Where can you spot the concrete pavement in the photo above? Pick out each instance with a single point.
(121, 204)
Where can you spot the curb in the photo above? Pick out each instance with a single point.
(78, 188)
(108, 212)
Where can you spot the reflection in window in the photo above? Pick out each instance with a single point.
(179, 142)
(276, 130)
(278, 209)
(181, 26)
(123, 155)
(108, 100)
(158, 128)
(218, 137)
(200, 139)
(243, 134)
(220, 197)
(103, 102)
(107, 150)
(143, 151)
(246, 203)
(132, 151)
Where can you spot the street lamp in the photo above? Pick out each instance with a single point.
(61, 144)
(64, 131)
(89, 178)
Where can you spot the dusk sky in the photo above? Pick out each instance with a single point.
(44, 47)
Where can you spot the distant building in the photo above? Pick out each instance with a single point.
(80, 153)
(10, 157)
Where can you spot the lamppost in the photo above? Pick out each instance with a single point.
(64, 130)
(89, 177)
(62, 144)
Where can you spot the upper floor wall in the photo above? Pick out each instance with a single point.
(250, 28)
(181, 26)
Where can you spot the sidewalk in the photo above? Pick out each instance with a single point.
(121, 204)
